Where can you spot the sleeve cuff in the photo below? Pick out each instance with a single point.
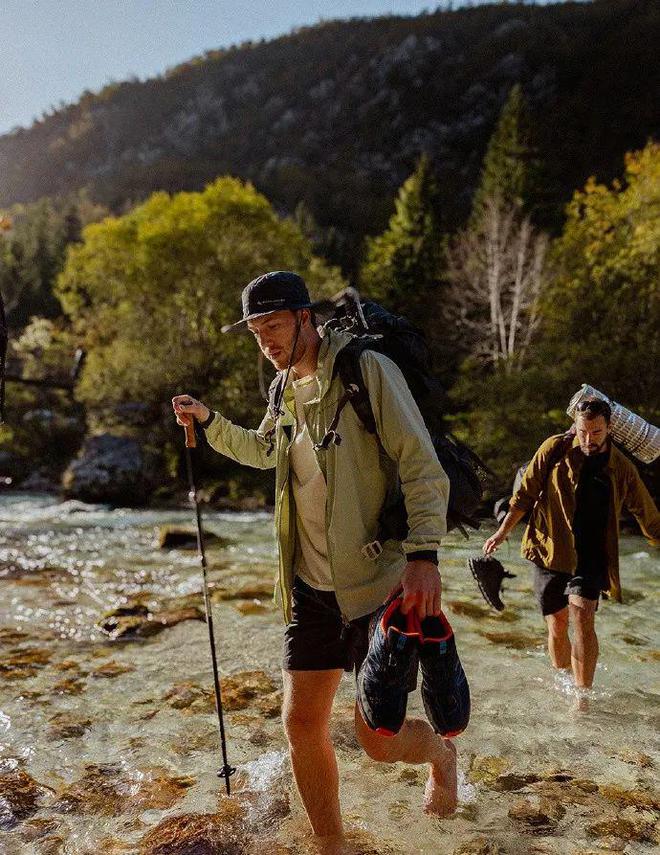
(208, 421)
(423, 555)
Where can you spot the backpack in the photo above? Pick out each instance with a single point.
(374, 328)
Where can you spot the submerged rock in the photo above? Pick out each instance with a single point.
(190, 696)
(66, 725)
(515, 640)
(197, 834)
(510, 781)
(251, 607)
(70, 686)
(185, 537)
(486, 769)
(478, 846)
(537, 812)
(23, 663)
(112, 669)
(253, 591)
(640, 827)
(251, 688)
(20, 795)
(106, 790)
(139, 620)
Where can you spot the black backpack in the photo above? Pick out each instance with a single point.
(374, 328)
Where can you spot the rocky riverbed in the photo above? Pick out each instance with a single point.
(108, 738)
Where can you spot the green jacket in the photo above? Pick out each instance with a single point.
(361, 475)
(548, 540)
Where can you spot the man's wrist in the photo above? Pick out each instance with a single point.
(208, 420)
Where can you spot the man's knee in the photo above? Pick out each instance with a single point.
(583, 613)
(558, 623)
(301, 724)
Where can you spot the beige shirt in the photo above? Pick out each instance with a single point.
(310, 494)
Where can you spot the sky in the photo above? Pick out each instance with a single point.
(52, 50)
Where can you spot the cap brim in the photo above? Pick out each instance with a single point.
(241, 326)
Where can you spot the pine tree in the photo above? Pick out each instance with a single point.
(511, 166)
(403, 265)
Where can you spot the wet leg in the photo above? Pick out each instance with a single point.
(584, 653)
(308, 697)
(416, 742)
(559, 645)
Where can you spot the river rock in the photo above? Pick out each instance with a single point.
(139, 620)
(253, 591)
(219, 833)
(66, 725)
(110, 670)
(486, 769)
(636, 758)
(190, 696)
(638, 826)
(185, 537)
(244, 688)
(515, 640)
(478, 846)
(35, 829)
(537, 812)
(251, 607)
(20, 795)
(633, 798)
(118, 470)
(509, 782)
(20, 663)
(107, 791)
(70, 686)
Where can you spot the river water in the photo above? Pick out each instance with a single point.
(102, 741)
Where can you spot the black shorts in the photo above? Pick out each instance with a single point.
(552, 589)
(317, 639)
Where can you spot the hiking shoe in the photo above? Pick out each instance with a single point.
(489, 573)
(389, 670)
(445, 689)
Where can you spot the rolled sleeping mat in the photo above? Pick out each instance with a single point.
(639, 437)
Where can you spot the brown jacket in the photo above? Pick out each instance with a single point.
(550, 497)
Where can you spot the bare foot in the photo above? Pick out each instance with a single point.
(441, 793)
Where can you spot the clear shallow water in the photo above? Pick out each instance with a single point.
(63, 565)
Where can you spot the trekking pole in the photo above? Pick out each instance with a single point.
(191, 442)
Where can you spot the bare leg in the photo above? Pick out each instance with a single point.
(584, 654)
(308, 697)
(416, 742)
(559, 645)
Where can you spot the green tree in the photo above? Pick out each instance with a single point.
(511, 166)
(149, 292)
(602, 310)
(403, 265)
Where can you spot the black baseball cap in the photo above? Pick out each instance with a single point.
(271, 292)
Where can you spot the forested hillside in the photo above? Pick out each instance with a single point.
(335, 116)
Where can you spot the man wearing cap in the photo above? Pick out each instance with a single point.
(574, 489)
(333, 572)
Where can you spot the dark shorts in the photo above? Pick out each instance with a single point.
(317, 639)
(553, 588)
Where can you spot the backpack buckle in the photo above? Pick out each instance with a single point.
(372, 550)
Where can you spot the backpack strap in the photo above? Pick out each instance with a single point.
(347, 366)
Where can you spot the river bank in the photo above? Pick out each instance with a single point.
(105, 743)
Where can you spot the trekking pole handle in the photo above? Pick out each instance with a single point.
(191, 439)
